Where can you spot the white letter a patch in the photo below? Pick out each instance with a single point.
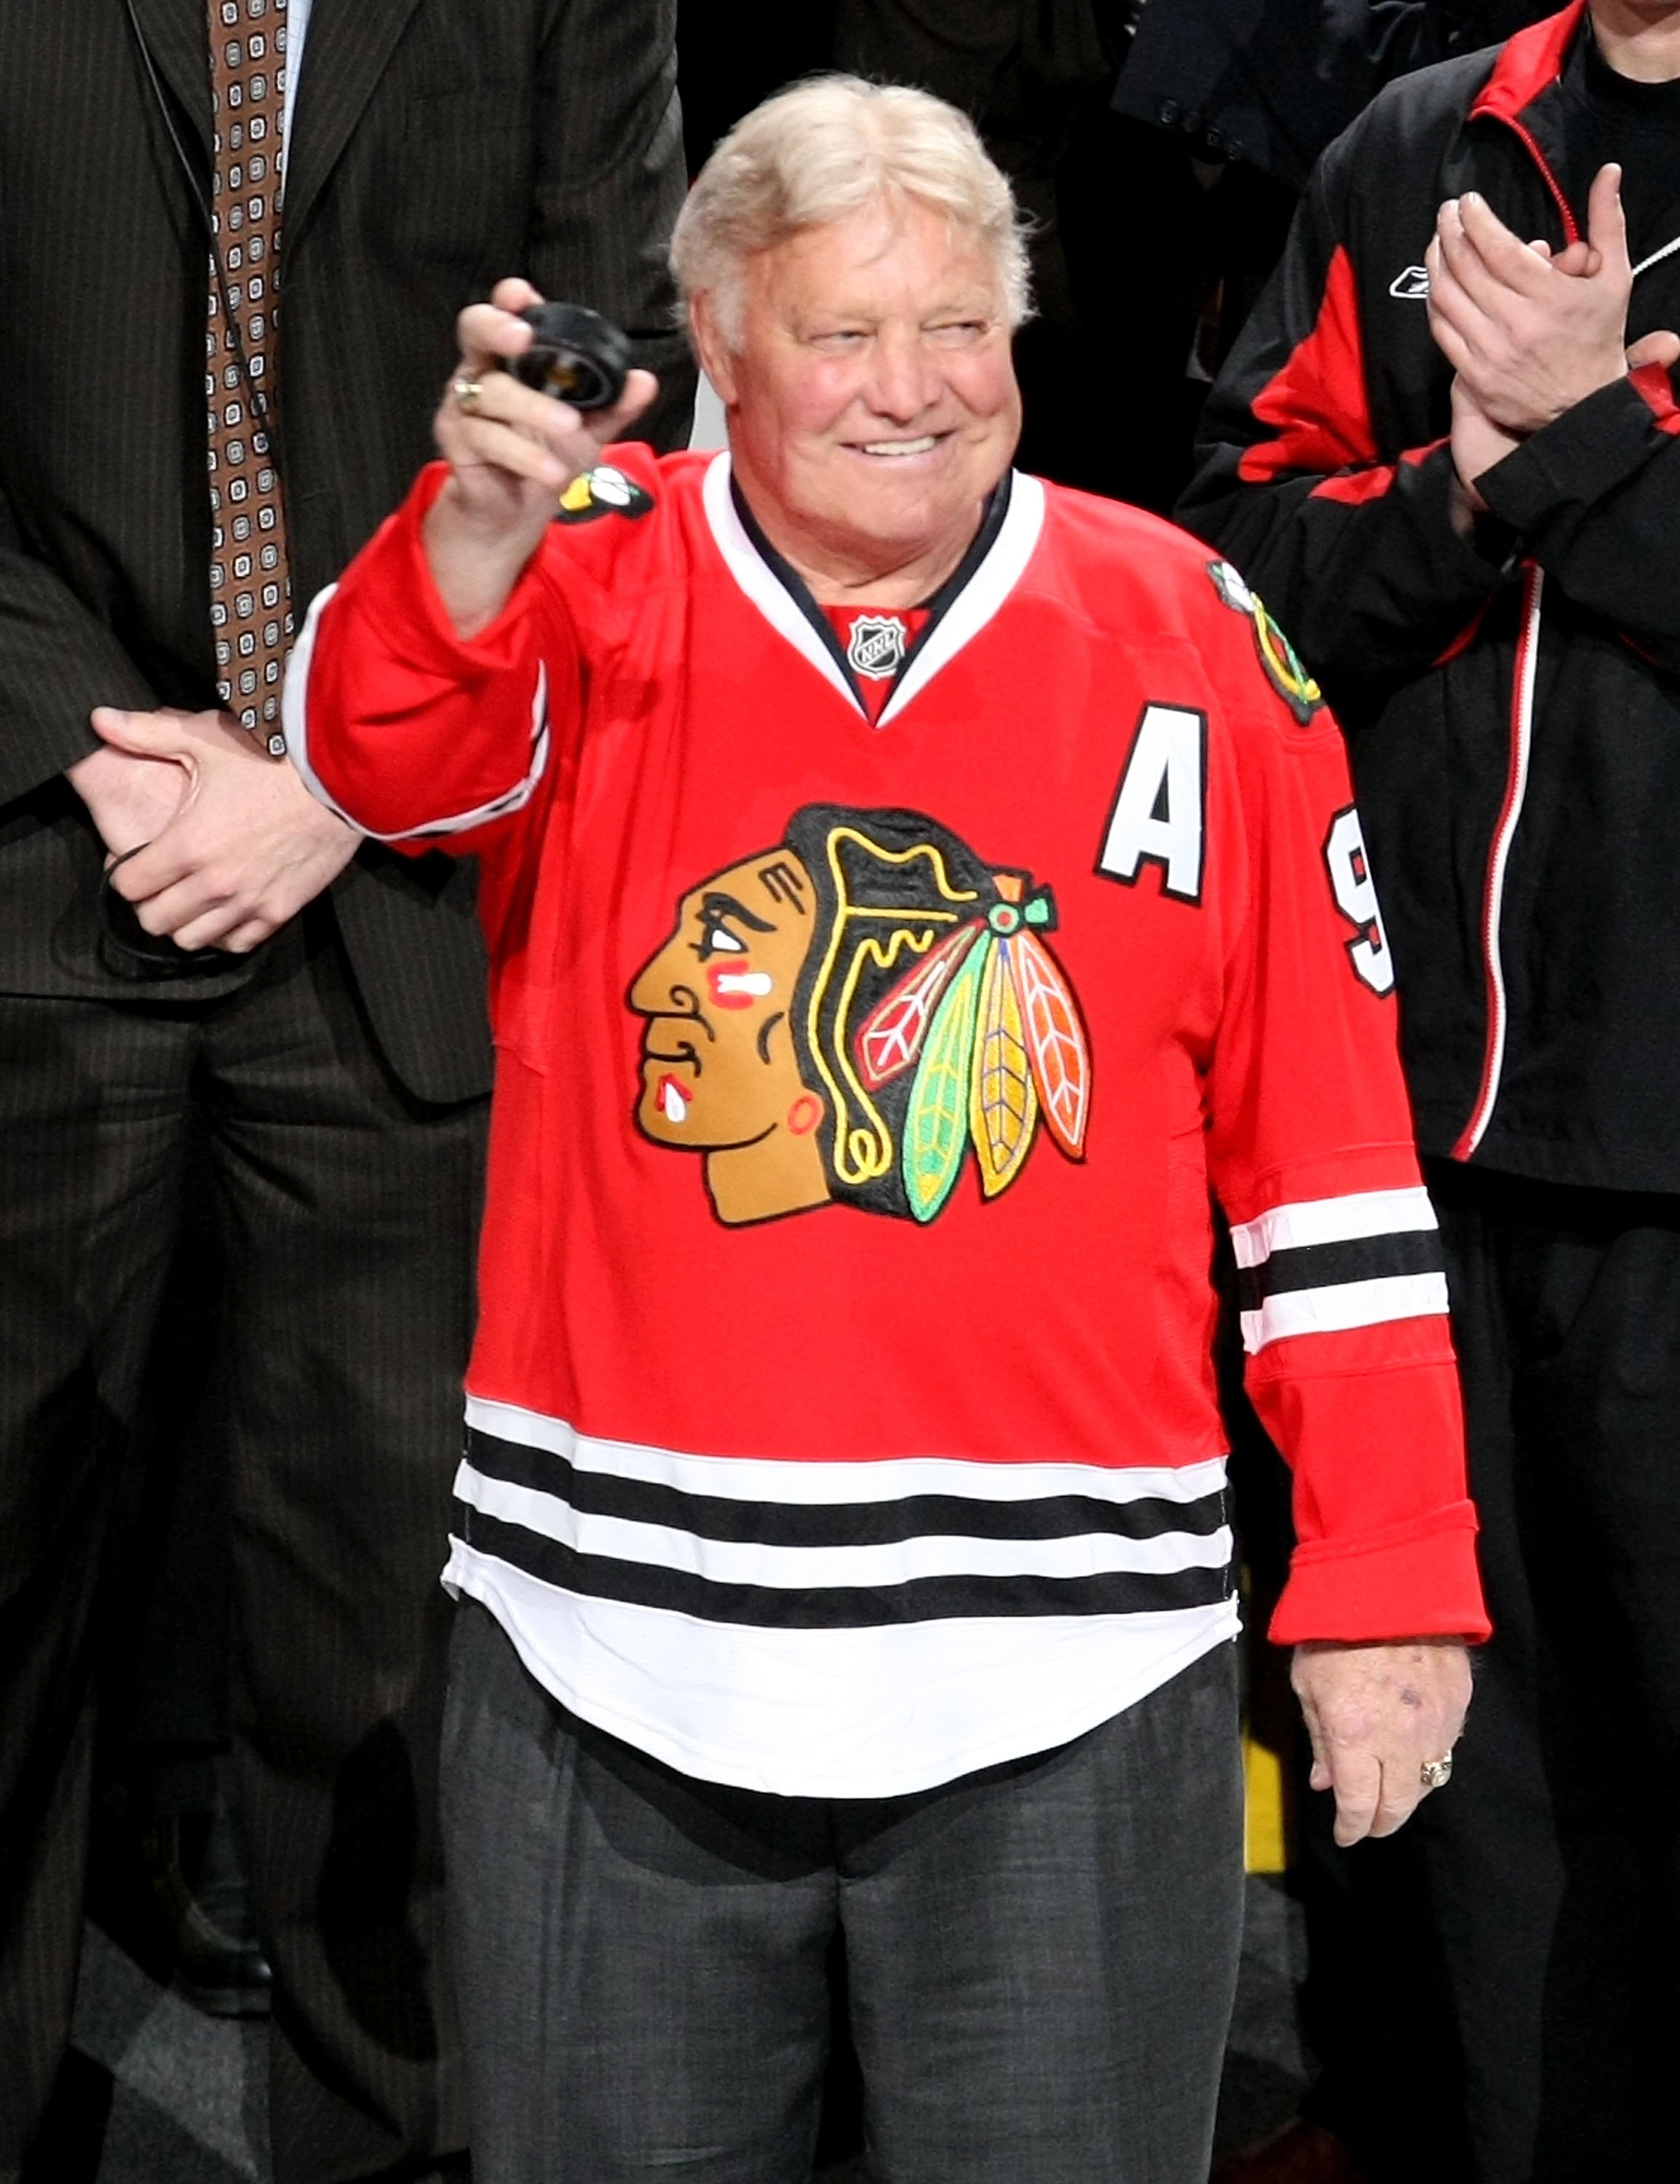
(1158, 817)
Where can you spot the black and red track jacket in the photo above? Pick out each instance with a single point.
(1512, 706)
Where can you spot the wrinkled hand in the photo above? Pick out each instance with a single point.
(511, 456)
(246, 848)
(1529, 334)
(130, 800)
(1375, 1714)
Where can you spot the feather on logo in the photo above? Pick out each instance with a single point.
(992, 1028)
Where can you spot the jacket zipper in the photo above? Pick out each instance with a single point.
(1516, 787)
(1517, 778)
(1572, 233)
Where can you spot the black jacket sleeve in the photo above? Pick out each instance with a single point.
(611, 179)
(1595, 498)
(1352, 544)
(57, 662)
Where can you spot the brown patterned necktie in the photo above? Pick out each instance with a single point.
(250, 582)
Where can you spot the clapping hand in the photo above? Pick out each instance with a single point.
(1530, 332)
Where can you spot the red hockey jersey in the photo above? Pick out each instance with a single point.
(842, 1415)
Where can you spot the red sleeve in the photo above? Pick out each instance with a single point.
(412, 735)
(1342, 1294)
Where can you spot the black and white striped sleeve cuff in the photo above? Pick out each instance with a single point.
(1327, 1264)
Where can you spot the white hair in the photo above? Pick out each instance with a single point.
(827, 148)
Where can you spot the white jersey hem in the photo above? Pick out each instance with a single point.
(1035, 1682)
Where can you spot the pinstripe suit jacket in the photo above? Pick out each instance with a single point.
(437, 144)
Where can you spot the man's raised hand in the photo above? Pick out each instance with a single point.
(511, 452)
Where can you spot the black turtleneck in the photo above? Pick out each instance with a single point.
(1608, 116)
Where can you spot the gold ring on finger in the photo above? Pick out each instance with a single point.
(468, 392)
(1436, 1773)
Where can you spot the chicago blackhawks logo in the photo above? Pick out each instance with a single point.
(603, 491)
(846, 1017)
(1282, 662)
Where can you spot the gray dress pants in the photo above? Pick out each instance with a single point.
(1042, 1957)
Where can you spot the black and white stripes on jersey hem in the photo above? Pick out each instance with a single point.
(1326, 1264)
(837, 1546)
(836, 1629)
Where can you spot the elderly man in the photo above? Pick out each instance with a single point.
(909, 889)
(1447, 451)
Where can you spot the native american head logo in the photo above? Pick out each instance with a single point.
(846, 1015)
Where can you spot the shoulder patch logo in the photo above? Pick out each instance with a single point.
(1282, 662)
(876, 646)
(603, 491)
(846, 1017)
(1231, 587)
(1412, 286)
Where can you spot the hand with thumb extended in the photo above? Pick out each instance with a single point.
(1528, 332)
(166, 733)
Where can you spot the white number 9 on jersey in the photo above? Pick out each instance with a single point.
(1355, 894)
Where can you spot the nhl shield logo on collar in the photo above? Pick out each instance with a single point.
(876, 646)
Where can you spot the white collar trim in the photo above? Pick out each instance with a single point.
(980, 599)
(760, 583)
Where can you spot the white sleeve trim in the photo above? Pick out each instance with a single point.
(1342, 1306)
(295, 717)
(1331, 1221)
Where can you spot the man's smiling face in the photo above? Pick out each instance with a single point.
(872, 397)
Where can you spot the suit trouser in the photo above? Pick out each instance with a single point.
(1554, 1858)
(347, 1213)
(1041, 1958)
